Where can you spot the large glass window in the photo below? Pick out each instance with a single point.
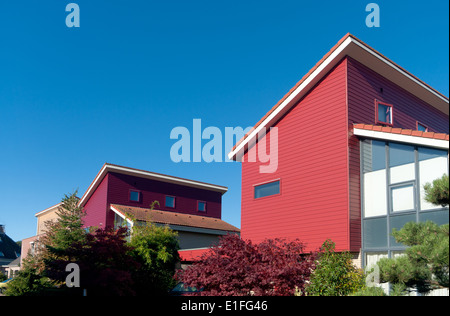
(433, 164)
(393, 176)
(374, 165)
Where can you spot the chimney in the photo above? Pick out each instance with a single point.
(2, 229)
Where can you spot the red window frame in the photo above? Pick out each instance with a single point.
(426, 127)
(390, 106)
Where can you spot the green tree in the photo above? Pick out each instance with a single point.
(155, 248)
(437, 192)
(335, 275)
(66, 230)
(61, 233)
(425, 263)
(29, 281)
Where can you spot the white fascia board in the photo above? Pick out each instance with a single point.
(170, 179)
(317, 72)
(420, 141)
(48, 209)
(123, 170)
(99, 176)
(122, 216)
(291, 97)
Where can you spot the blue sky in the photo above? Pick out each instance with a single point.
(72, 99)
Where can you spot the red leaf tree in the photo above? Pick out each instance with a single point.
(237, 267)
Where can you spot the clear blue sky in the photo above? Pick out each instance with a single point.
(113, 89)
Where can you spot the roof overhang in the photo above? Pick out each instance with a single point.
(361, 52)
(146, 175)
(399, 135)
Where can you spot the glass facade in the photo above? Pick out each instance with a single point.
(393, 176)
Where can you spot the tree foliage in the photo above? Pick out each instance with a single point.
(438, 192)
(425, 264)
(108, 263)
(237, 267)
(155, 248)
(104, 261)
(335, 274)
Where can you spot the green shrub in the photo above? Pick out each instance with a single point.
(335, 275)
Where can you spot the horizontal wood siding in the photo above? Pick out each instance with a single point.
(151, 190)
(364, 87)
(312, 168)
(96, 207)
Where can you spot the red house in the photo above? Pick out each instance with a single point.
(191, 208)
(358, 136)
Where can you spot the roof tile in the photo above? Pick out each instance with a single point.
(402, 131)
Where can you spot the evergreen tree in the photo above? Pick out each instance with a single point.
(437, 192)
(425, 264)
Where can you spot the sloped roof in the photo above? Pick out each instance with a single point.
(353, 47)
(8, 248)
(172, 218)
(107, 167)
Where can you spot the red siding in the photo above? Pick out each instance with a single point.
(96, 207)
(312, 166)
(364, 86)
(185, 197)
(115, 189)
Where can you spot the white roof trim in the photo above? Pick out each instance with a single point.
(48, 209)
(121, 215)
(343, 49)
(149, 175)
(291, 97)
(421, 141)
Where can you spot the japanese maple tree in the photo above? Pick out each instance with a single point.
(236, 267)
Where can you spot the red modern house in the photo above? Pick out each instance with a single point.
(358, 136)
(192, 208)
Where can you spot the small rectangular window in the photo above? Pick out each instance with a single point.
(170, 201)
(421, 127)
(268, 189)
(134, 196)
(201, 206)
(384, 113)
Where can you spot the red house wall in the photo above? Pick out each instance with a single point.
(96, 208)
(364, 87)
(313, 170)
(185, 197)
(115, 189)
